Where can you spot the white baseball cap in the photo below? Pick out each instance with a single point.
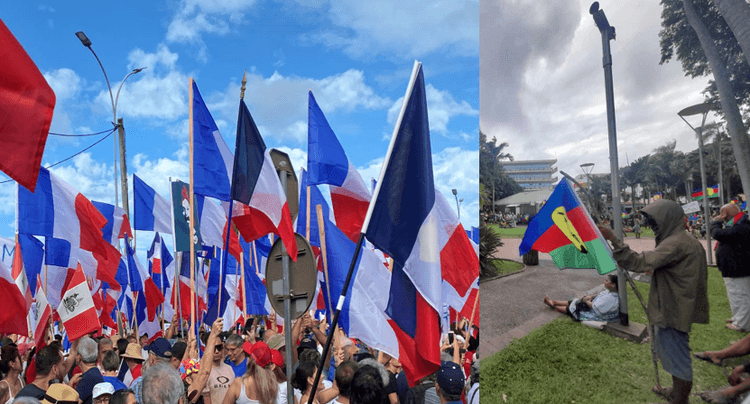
(103, 388)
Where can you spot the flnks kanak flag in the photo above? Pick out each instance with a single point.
(13, 315)
(327, 164)
(256, 184)
(564, 229)
(59, 212)
(26, 105)
(77, 310)
(403, 223)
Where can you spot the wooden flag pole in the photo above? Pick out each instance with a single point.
(307, 207)
(473, 312)
(255, 256)
(192, 211)
(244, 292)
(322, 234)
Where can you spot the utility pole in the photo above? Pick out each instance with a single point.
(123, 167)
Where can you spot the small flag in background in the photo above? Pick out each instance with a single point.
(42, 312)
(77, 310)
(26, 106)
(181, 214)
(212, 158)
(564, 229)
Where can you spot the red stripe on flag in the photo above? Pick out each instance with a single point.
(459, 262)
(153, 296)
(26, 106)
(554, 238)
(420, 356)
(13, 316)
(106, 255)
(254, 224)
(350, 214)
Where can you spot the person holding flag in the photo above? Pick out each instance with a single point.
(678, 296)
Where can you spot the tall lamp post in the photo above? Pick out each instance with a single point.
(458, 207)
(701, 109)
(608, 33)
(118, 124)
(587, 168)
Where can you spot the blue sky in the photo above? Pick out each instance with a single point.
(356, 56)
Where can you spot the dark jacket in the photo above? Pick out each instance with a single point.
(679, 292)
(733, 250)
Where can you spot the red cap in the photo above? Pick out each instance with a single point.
(260, 352)
(276, 358)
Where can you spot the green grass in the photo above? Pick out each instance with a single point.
(507, 266)
(567, 362)
(516, 232)
(645, 233)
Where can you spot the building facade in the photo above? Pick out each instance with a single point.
(531, 174)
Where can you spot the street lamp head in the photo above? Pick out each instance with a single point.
(594, 8)
(84, 39)
(455, 192)
(461, 200)
(138, 70)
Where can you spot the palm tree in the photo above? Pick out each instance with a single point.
(633, 175)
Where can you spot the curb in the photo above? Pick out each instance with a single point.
(492, 278)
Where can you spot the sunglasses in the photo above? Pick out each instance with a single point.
(219, 347)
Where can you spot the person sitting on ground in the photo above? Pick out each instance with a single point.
(603, 307)
(111, 366)
(739, 379)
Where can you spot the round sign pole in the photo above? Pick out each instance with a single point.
(287, 306)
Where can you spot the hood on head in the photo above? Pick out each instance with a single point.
(669, 218)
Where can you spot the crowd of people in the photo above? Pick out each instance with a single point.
(246, 366)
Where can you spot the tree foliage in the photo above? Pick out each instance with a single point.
(491, 173)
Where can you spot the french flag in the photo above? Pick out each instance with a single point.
(160, 263)
(141, 282)
(77, 310)
(13, 315)
(42, 312)
(255, 183)
(56, 210)
(327, 164)
(118, 225)
(32, 253)
(212, 222)
(151, 211)
(212, 159)
(459, 262)
(402, 222)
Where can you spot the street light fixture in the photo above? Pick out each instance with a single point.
(117, 124)
(701, 109)
(458, 207)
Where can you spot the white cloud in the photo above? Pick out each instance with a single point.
(160, 91)
(279, 103)
(410, 29)
(93, 179)
(211, 16)
(67, 85)
(441, 107)
(156, 173)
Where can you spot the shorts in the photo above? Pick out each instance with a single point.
(673, 349)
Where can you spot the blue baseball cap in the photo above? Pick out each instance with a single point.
(451, 378)
(160, 347)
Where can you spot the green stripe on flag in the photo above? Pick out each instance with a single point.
(598, 257)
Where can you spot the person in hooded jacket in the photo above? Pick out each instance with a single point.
(678, 296)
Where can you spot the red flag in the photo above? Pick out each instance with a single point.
(26, 106)
(19, 276)
(77, 310)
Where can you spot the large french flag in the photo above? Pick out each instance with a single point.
(256, 184)
(77, 310)
(212, 159)
(327, 164)
(151, 211)
(56, 210)
(13, 315)
(403, 223)
(118, 225)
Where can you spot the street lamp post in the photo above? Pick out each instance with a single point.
(701, 109)
(118, 124)
(608, 33)
(458, 207)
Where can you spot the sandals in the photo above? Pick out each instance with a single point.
(706, 358)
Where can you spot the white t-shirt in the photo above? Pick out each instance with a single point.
(327, 385)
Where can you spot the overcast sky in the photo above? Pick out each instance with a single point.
(542, 82)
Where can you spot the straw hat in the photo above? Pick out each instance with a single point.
(133, 351)
(59, 393)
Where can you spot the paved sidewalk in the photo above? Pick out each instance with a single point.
(512, 306)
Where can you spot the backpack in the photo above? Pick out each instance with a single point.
(415, 395)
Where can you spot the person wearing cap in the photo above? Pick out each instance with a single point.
(258, 384)
(134, 360)
(236, 358)
(450, 383)
(102, 392)
(87, 353)
(201, 380)
(111, 365)
(59, 393)
(160, 351)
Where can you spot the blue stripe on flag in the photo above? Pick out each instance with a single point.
(32, 253)
(56, 251)
(402, 304)
(108, 211)
(143, 206)
(326, 160)
(209, 172)
(36, 212)
(248, 158)
(316, 198)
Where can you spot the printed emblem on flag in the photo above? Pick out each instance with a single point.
(71, 302)
(560, 218)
